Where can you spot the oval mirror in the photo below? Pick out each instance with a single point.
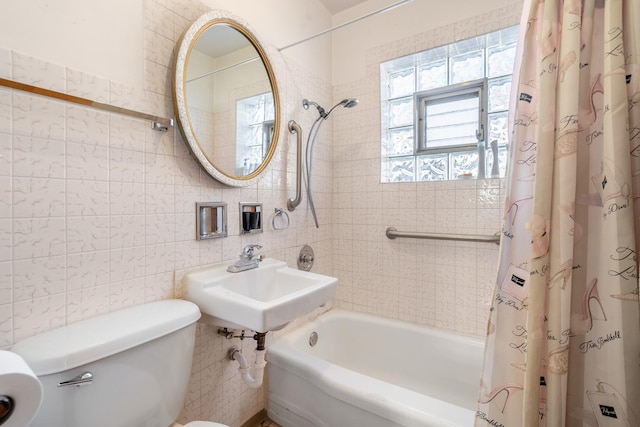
(226, 99)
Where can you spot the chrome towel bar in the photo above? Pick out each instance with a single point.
(393, 233)
(160, 124)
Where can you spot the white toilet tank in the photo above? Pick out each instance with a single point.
(139, 360)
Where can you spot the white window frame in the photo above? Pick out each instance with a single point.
(432, 96)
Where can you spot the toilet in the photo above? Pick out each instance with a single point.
(128, 368)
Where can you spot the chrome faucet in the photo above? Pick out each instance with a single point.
(248, 259)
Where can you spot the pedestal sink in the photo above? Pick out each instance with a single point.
(262, 299)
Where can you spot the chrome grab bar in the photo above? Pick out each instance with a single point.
(393, 233)
(84, 378)
(292, 204)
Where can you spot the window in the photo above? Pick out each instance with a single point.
(444, 110)
(254, 130)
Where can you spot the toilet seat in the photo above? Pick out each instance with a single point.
(204, 424)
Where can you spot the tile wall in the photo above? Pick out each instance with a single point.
(448, 285)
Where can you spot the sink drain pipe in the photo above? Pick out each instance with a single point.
(256, 380)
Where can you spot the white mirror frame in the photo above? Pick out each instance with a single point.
(186, 43)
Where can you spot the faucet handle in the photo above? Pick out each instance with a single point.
(248, 250)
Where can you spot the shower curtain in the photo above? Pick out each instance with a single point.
(563, 338)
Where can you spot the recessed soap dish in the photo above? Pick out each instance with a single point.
(211, 220)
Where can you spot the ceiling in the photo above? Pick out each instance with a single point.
(336, 6)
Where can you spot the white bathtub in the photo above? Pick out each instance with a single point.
(373, 372)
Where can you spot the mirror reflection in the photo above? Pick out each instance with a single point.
(228, 91)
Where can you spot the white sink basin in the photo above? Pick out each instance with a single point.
(262, 299)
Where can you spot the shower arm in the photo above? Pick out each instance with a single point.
(292, 204)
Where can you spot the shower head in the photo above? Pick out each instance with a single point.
(346, 103)
(350, 102)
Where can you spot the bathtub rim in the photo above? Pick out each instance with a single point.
(339, 382)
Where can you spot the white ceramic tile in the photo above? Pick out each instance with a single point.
(187, 254)
(187, 170)
(87, 125)
(185, 227)
(159, 228)
(159, 142)
(211, 251)
(39, 73)
(87, 233)
(127, 263)
(159, 258)
(38, 237)
(5, 197)
(160, 21)
(185, 198)
(88, 162)
(87, 270)
(466, 29)
(6, 239)
(87, 197)
(159, 169)
(158, 287)
(6, 274)
(5, 110)
(87, 303)
(6, 325)
(5, 63)
(159, 199)
(126, 96)
(126, 293)
(38, 197)
(126, 198)
(159, 104)
(38, 157)
(127, 231)
(444, 35)
(38, 116)
(157, 49)
(38, 277)
(87, 86)
(126, 133)
(126, 165)
(180, 148)
(155, 77)
(38, 315)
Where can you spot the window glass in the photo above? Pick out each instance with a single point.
(444, 143)
(451, 121)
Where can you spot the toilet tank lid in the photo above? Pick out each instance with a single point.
(89, 340)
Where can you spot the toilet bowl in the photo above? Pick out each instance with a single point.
(128, 368)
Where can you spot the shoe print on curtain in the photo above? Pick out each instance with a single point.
(563, 337)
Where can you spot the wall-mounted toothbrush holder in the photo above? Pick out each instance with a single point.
(211, 220)
(250, 218)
